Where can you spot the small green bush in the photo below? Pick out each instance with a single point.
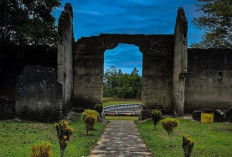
(41, 150)
(64, 133)
(169, 124)
(187, 145)
(89, 118)
(156, 116)
(98, 108)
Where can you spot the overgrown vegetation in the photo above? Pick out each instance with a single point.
(64, 133)
(41, 150)
(187, 145)
(156, 116)
(120, 85)
(17, 138)
(212, 140)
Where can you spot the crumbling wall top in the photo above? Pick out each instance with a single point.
(65, 18)
(181, 20)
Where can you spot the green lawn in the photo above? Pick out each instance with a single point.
(115, 101)
(122, 117)
(211, 140)
(17, 138)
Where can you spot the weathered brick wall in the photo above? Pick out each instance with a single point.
(65, 54)
(38, 95)
(157, 72)
(180, 62)
(209, 79)
(157, 68)
(7, 109)
(13, 59)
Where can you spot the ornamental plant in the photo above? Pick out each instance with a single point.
(98, 108)
(96, 114)
(169, 124)
(187, 145)
(156, 116)
(41, 150)
(89, 118)
(64, 133)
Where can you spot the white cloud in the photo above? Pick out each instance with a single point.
(87, 12)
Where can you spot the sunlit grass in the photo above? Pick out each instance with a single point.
(116, 101)
(211, 140)
(17, 138)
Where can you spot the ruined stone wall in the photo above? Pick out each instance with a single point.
(157, 68)
(157, 73)
(14, 58)
(179, 62)
(209, 79)
(65, 54)
(38, 95)
(88, 72)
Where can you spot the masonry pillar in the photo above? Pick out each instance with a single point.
(88, 71)
(65, 54)
(179, 62)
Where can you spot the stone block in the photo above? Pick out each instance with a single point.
(7, 109)
(38, 95)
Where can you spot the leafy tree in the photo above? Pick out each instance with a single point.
(135, 72)
(216, 21)
(28, 22)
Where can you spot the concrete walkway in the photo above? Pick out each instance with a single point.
(120, 139)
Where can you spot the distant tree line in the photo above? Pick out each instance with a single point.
(122, 85)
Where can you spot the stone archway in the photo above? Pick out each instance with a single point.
(164, 67)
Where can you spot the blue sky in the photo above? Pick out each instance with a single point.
(93, 17)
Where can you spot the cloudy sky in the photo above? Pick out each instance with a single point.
(93, 17)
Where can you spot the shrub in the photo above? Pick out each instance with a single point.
(98, 108)
(95, 113)
(156, 116)
(89, 118)
(187, 145)
(41, 150)
(169, 124)
(88, 111)
(64, 133)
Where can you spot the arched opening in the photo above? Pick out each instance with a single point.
(122, 80)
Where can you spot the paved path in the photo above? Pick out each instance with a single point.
(120, 139)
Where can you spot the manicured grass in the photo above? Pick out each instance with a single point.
(17, 138)
(211, 140)
(122, 117)
(115, 101)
